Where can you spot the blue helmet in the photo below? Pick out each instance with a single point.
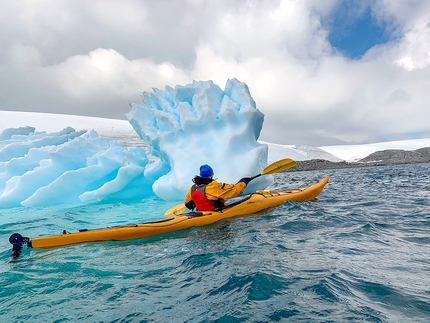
(206, 171)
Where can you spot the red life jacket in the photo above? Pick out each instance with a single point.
(200, 199)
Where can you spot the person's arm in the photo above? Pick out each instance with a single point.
(216, 190)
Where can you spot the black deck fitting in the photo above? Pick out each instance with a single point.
(17, 241)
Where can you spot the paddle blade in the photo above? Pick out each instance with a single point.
(279, 166)
(177, 209)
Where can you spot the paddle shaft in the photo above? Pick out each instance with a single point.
(276, 167)
(254, 177)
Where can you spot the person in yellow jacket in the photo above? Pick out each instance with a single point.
(207, 194)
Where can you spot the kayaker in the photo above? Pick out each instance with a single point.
(207, 194)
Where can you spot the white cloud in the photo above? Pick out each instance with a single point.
(105, 71)
(414, 50)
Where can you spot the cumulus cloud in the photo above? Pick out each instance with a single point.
(92, 58)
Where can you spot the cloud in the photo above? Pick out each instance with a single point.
(92, 58)
(99, 83)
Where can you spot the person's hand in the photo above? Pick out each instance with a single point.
(245, 180)
(190, 205)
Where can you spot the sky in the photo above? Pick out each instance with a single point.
(324, 72)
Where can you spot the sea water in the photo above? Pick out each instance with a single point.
(360, 252)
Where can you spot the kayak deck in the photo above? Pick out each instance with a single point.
(250, 204)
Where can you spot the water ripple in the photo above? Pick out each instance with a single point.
(360, 252)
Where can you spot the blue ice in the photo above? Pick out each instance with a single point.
(183, 127)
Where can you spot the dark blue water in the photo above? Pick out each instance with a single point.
(360, 252)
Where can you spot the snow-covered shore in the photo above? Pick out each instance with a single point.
(122, 130)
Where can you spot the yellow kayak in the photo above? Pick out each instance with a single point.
(174, 221)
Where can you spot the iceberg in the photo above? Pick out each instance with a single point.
(188, 126)
(69, 166)
(182, 128)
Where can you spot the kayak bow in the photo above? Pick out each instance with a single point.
(247, 204)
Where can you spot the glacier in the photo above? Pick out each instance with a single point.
(182, 128)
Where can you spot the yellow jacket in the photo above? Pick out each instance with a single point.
(216, 190)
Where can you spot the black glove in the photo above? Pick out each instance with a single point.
(245, 180)
(190, 205)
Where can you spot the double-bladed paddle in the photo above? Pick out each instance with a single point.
(276, 167)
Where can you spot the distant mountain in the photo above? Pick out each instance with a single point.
(398, 156)
(379, 158)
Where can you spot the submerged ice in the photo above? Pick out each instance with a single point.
(183, 127)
